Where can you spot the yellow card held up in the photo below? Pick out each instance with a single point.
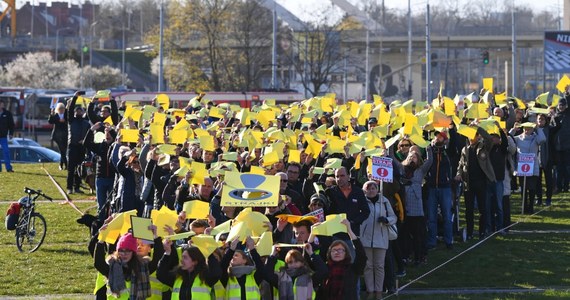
(206, 243)
(265, 244)
(163, 217)
(180, 236)
(157, 132)
(129, 135)
(178, 136)
(159, 118)
(163, 100)
(196, 209)
(467, 131)
(294, 156)
(141, 229)
(563, 83)
(207, 143)
(488, 84)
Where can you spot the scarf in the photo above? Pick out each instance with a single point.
(116, 279)
(140, 283)
(334, 284)
(239, 271)
(303, 283)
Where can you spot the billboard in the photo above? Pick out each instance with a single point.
(557, 51)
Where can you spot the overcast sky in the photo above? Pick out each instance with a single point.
(304, 9)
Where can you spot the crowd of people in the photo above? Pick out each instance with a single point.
(322, 156)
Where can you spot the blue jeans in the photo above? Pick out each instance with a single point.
(103, 186)
(6, 154)
(441, 197)
(494, 206)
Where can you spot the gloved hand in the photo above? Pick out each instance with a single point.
(383, 220)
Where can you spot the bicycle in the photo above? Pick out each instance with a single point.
(32, 227)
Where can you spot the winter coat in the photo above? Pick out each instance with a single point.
(530, 144)
(374, 234)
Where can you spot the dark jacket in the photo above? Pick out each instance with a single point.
(129, 196)
(6, 124)
(59, 131)
(499, 157)
(351, 275)
(78, 127)
(104, 167)
(562, 136)
(94, 117)
(483, 149)
(439, 174)
(355, 205)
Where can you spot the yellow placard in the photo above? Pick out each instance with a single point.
(159, 118)
(488, 84)
(179, 236)
(163, 217)
(129, 135)
(207, 143)
(257, 170)
(206, 243)
(265, 244)
(331, 226)
(141, 229)
(157, 132)
(563, 83)
(199, 172)
(163, 100)
(178, 136)
(248, 190)
(294, 156)
(467, 131)
(196, 209)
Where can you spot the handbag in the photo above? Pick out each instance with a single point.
(392, 232)
(392, 229)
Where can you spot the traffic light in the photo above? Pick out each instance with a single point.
(485, 56)
(434, 59)
(85, 49)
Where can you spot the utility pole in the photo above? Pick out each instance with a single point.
(367, 77)
(161, 50)
(428, 56)
(274, 52)
(514, 54)
(410, 48)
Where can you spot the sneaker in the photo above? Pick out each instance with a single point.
(10, 171)
(78, 191)
(401, 274)
(69, 191)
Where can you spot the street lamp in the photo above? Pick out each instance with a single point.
(57, 41)
(92, 26)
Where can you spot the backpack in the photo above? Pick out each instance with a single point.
(12, 216)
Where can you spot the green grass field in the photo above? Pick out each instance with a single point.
(525, 258)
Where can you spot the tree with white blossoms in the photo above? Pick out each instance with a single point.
(103, 77)
(39, 70)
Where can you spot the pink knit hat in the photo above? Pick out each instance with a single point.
(127, 242)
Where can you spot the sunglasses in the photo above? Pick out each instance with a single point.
(405, 145)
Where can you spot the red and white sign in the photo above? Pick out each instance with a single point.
(525, 166)
(382, 169)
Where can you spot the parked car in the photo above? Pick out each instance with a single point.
(23, 142)
(31, 154)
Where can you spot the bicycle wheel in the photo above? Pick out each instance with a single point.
(30, 238)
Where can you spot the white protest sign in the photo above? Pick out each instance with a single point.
(319, 214)
(525, 166)
(382, 169)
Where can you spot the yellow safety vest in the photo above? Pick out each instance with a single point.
(156, 288)
(200, 290)
(125, 295)
(278, 265)
(219, 291)
(99, 282)
(233, 289)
